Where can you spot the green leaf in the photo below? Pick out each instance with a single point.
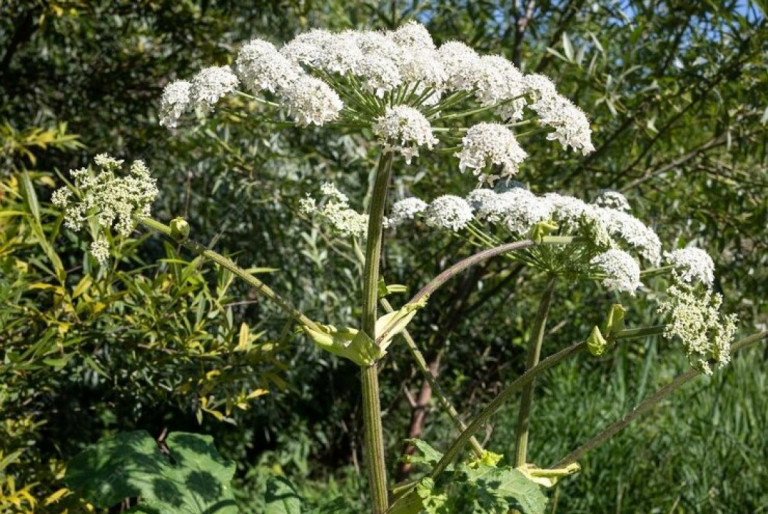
(428, 455)
(193, 479)
(506, 488)
(282, 498)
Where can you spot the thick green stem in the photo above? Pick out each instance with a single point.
(421, 362)
(648, 404)
(228, 264)
(374, 439)
(534, 354)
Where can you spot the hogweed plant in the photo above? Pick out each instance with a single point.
(411, 98)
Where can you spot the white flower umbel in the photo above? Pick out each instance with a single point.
(490, 143)
(113, 200)
(334, 210)
(311, 101)
(692, 265)
(449, 212)
(695, 319)
(174, 103)
(209, 85)
(612, 200)
(406, 209)
(622, 273)
(404, 129)
(262, 68)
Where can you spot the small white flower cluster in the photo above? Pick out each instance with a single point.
(696, 320)
(334, 210)
(612, 200)
(570, 123)
(404, 129)
(447, 212)
(406, 209)
(490, 143)
(114, 200)
(205, 89)
(622, 273)
(692, 265)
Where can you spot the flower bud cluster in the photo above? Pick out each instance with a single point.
(334, 210)
(694, 317)
(114, 201)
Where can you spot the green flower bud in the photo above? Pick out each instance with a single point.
(596, 343)
(179, 229)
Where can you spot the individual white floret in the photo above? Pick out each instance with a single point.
(612, 200)
(261, 67)
(210, 84)
(622, 273)
(695, 319)
(310, 100)
(459, 62)
(174, 103)
(406, 209)
(692, 265)
(490, 143)
(404, 129)
(449, 212)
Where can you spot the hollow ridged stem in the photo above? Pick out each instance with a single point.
(374, 439)
(421, 362)
(228, 264)
(534, 354)
(648, 404)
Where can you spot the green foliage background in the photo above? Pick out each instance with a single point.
(677, 94)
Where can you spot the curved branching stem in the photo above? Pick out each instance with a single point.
(421, 362)
(228, 264)
(534, 354)
(648, 404)
(477, 258)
